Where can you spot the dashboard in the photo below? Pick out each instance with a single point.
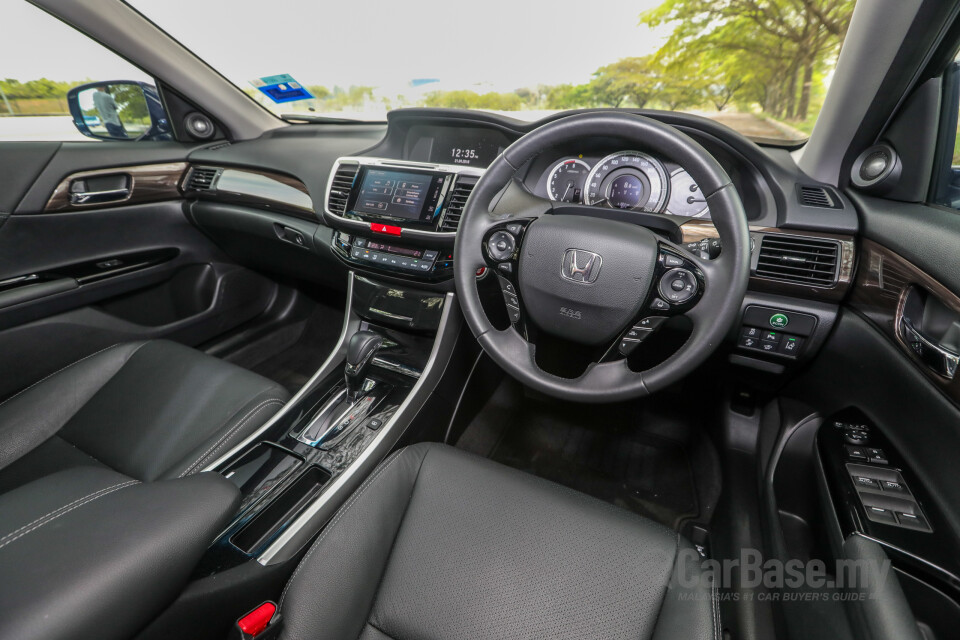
(388, 198)
(386, 201)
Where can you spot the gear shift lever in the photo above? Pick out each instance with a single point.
(361, 349)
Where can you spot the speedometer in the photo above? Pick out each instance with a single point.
(628, 180)
(566, 180)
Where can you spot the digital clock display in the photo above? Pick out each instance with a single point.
(468, 147)
(460, 154)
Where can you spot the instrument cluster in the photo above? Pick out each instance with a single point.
(626, 179)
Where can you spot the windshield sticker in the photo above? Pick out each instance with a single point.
(282, 88)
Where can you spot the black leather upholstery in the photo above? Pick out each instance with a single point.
(149, 410)
(442, 544)
(90, 553)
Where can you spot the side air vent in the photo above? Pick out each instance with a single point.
(458, 199)
(340, 188)
(816, 196)
(201, 178)
(808, 261)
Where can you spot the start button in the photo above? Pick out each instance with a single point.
(779, 320)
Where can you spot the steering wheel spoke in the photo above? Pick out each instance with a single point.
(515, 202)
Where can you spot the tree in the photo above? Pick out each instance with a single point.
(784, 42)
(636, 78)
(569, 96)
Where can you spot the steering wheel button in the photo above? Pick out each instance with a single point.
(501, 245)
(507, 286)
(515, 228)
(678, 285)
(514, 314)
(670, 260)
(650, 322)
(511, 299)
(628, 346)
(659, 305)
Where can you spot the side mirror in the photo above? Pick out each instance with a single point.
(119, 110)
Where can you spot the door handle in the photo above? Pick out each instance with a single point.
(941, 360)
(99, 197)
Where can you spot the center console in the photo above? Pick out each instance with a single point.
(297, 469)
(397, 216)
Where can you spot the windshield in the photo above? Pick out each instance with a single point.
(761, 67)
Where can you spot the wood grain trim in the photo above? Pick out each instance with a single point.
(696, 230)
(148, 183)
(881, 286)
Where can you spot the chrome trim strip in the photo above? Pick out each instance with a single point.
(387, 314)
(396, 164)
(396, 367)
(304, 518)
(322, 372)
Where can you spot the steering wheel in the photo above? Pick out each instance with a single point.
(596, 281)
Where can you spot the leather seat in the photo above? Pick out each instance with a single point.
(438, 543)
(148, 410)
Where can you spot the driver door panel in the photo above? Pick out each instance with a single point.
(77, 278)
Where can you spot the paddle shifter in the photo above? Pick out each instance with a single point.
(361, 349)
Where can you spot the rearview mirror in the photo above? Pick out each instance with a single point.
(119, 110)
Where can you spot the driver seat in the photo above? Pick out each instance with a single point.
(439, 543)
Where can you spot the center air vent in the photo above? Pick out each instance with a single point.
(340, 188)
(201, 178)
(809, 261)
(458, 198)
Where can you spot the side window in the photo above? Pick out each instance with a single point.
(946, 172)
(72, 88)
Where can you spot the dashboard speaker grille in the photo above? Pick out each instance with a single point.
(458, 199)
(809, 261)
(340, 188)
(201, 178)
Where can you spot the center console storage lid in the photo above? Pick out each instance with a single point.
(88, 552)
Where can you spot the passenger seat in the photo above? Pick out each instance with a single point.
(148, 410)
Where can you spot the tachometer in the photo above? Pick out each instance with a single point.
(566, 180)
(685, 197)
(628, 180)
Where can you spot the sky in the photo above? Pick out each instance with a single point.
(498, 45)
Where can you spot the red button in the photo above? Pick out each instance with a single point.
(385, 228)
(481, 271)
(258, 619)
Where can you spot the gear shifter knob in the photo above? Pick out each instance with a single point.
(361, 349)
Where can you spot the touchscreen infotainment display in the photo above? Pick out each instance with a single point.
(397, 194)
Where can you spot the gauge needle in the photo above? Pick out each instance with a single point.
(563, 198)
(691, 200)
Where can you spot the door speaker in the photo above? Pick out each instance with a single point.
(877, 169)
(199, 126)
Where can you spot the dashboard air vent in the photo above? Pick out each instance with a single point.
(201, 178)
(340, 188)
(458, 198)
(809, 261)
(817, 196)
